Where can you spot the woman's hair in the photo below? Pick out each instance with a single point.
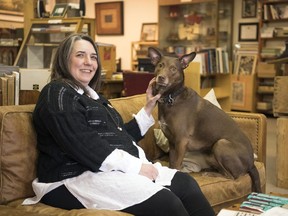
(60, 67)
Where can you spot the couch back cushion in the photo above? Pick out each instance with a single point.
(17, 152)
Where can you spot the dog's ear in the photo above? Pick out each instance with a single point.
(186, 59)
(155, 55)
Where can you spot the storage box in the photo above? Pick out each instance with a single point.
(107, 54)
(34, 79)
(266, 70)
(280, 99)
(264, 106)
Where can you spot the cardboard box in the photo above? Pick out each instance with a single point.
(34, 79)
(107, 54)
(266, 70)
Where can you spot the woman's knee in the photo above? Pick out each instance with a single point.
(163, 203)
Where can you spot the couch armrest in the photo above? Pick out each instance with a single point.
(254, 126)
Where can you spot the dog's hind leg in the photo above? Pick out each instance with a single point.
(231, 160)
(234, 160)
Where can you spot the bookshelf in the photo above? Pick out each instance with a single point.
(186, 26)
(139, 49)
(44, 36)
(10, 41)
(273, 34)
(202, 84)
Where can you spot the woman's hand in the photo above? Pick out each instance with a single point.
(149, 171)
(151, 100)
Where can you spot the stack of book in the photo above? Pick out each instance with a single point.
(9, 85)
(259, 203)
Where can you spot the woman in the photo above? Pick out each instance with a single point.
(88, 158)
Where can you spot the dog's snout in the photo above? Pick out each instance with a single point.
(160, 78)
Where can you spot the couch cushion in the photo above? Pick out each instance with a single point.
(220, 191)
(41, 209)
(17, 152)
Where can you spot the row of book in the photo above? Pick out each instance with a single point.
(275, 12)
(213, 61)
(9, 85)
(259, 203)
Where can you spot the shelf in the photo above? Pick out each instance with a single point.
(221, 84)
(44, 36)
(139, 49)
(186, 26)
(273, 25)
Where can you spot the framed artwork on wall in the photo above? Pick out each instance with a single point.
(109, 18)
(149, 32)
(249, 8)
(248, 31)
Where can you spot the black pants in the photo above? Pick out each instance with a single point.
(183, 199)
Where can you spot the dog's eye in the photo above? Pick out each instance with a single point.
(161, 65)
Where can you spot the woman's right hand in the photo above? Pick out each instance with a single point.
(149, 171)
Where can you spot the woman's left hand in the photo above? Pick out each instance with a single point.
(151, 100)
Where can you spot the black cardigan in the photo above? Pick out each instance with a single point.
(76, 133)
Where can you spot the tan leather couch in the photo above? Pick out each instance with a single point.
(18, 157)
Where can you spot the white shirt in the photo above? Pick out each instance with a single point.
(110, 189)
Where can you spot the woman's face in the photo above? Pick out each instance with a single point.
(83, 62)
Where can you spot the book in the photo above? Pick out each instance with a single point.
(276, 211)
(3, 87)
(10, 89)
(17, 86)
(260, 203)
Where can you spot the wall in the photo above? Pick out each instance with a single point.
(135, 13)
(238, 19)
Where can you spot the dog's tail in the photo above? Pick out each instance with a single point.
(254, 174)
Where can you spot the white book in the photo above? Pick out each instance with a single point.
(17, 86)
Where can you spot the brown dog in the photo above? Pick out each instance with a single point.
(193, 124)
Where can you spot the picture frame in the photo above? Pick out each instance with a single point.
(59, 10)
(109, 18)
(238, 93)
(248, 32)
(246, 64)
(149, 32)
(249, 8)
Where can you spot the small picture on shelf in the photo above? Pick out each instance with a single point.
(60, 10)
(246, 64)
(149, 32)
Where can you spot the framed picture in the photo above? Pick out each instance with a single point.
(246, 64)
(109, 18)
(238, 93)
(12, 7)
(149, 32)
(249, 8)
(248, 31)
(59, 10)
